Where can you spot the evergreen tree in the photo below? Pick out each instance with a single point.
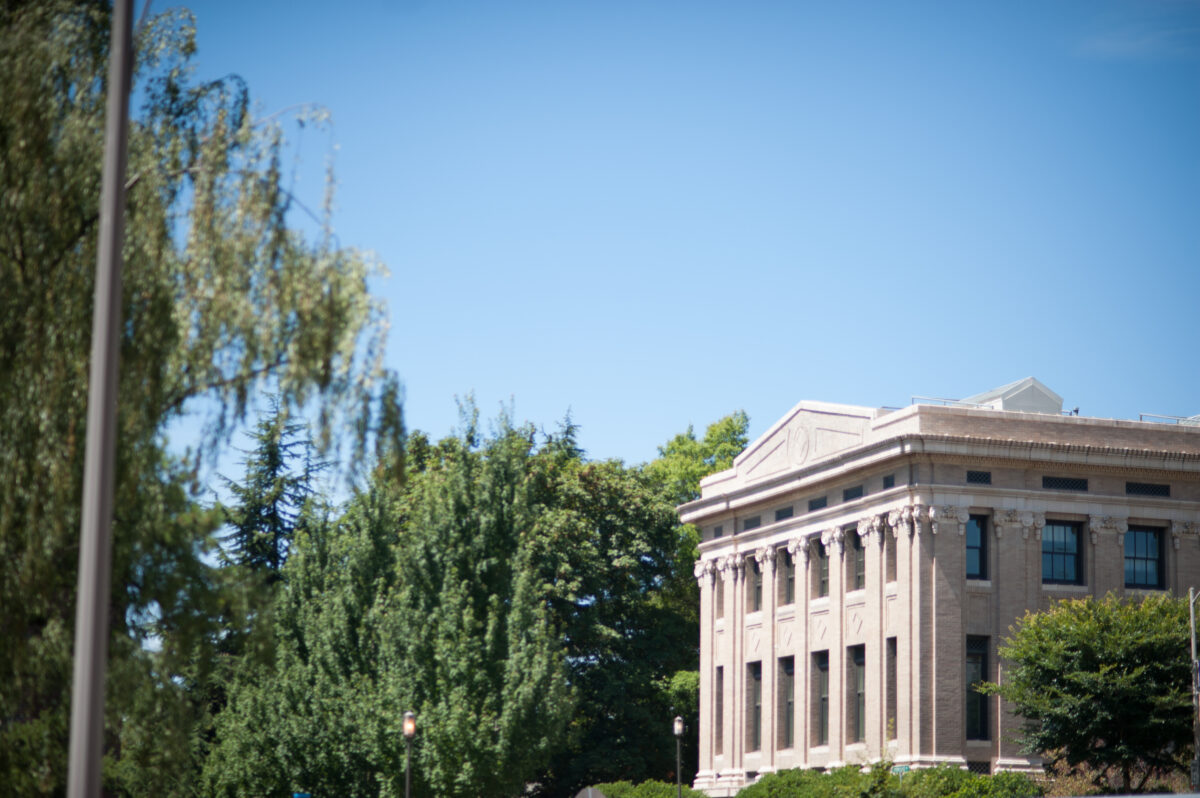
(278, 480)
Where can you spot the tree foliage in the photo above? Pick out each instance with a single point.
(220, 296)
(1103, 682)
(683, 461)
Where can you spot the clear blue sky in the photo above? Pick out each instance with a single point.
(656, 213)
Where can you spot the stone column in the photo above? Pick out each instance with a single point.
(705, 573)
(949, 597)
(799, 549)
(765, 557)
(871, 530)
(736, 709)
(834, 540)
(921, 583)
(901, 522)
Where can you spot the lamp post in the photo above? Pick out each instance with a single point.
(410, 731)
(678, 757)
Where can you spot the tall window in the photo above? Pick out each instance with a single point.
(1143, 558)
(786, 569)
(892, 684)
(977, 547)
(889, 555)
(720, 598)
(977, 702)
(753, 706)
(719, 712)
(856, 568)
(754, 586)
(820, 698)
(856, 694)
(820, 565)
(1060, 554)
(786, 691)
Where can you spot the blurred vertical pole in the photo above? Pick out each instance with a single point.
(95, 543)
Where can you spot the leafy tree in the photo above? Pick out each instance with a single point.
(219, 297)
(422, 598)
(683, 461)
(1103, 682)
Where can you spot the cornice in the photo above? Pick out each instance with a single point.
(953, 449)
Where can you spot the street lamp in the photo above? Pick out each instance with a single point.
(410, 731)
(678, 757)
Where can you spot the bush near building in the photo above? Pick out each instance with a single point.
(646, 789)
(945, 781)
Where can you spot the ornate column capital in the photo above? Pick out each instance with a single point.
(835, 537)
(1030, 520)
(870, 529)
(1097, 524)
(1003, 518)
(797, 546)
(1182, 528)
(952, 517)
(765, 556)
(901, 518)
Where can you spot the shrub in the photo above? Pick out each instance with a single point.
(647, 789)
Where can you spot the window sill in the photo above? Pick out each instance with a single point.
(1142, 590)
(1066, 588)
(979, 584)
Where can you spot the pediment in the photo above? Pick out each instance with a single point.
(811, 432)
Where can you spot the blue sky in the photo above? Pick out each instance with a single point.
(655, 213)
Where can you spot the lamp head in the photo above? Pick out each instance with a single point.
(678, 726)
(410, 725)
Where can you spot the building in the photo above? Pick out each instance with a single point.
(858, 567)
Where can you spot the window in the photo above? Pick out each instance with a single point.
(979, 477)
(977, 547)
(977, 702)
(783, 513)
(753, 706)
(1147, 489)
(720, 599)
(889, 555)
(754, 586)
(787, 702)
(753, 522)
(1064, 483)
(820, 698)
(856, 568)
(820, 564)
(856, 694)
(889, 482)
(719, 712)
(786, 569)
(1060, 554)
(850, 494)
(1144, 558)
(718, 530)
(817, 504)
(892, 684)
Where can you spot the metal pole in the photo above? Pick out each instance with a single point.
(407, 768)
(1195, 675)
(678, 769)
(95, 544)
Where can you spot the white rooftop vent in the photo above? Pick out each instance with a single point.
(1027, 396)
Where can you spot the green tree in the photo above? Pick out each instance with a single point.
(1103, 682)
(420, 598)
(683, 461)
(278, 480)
(219, 298)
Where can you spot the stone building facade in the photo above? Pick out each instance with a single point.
(859, 566)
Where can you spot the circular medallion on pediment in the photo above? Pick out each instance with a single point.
(798, 438)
